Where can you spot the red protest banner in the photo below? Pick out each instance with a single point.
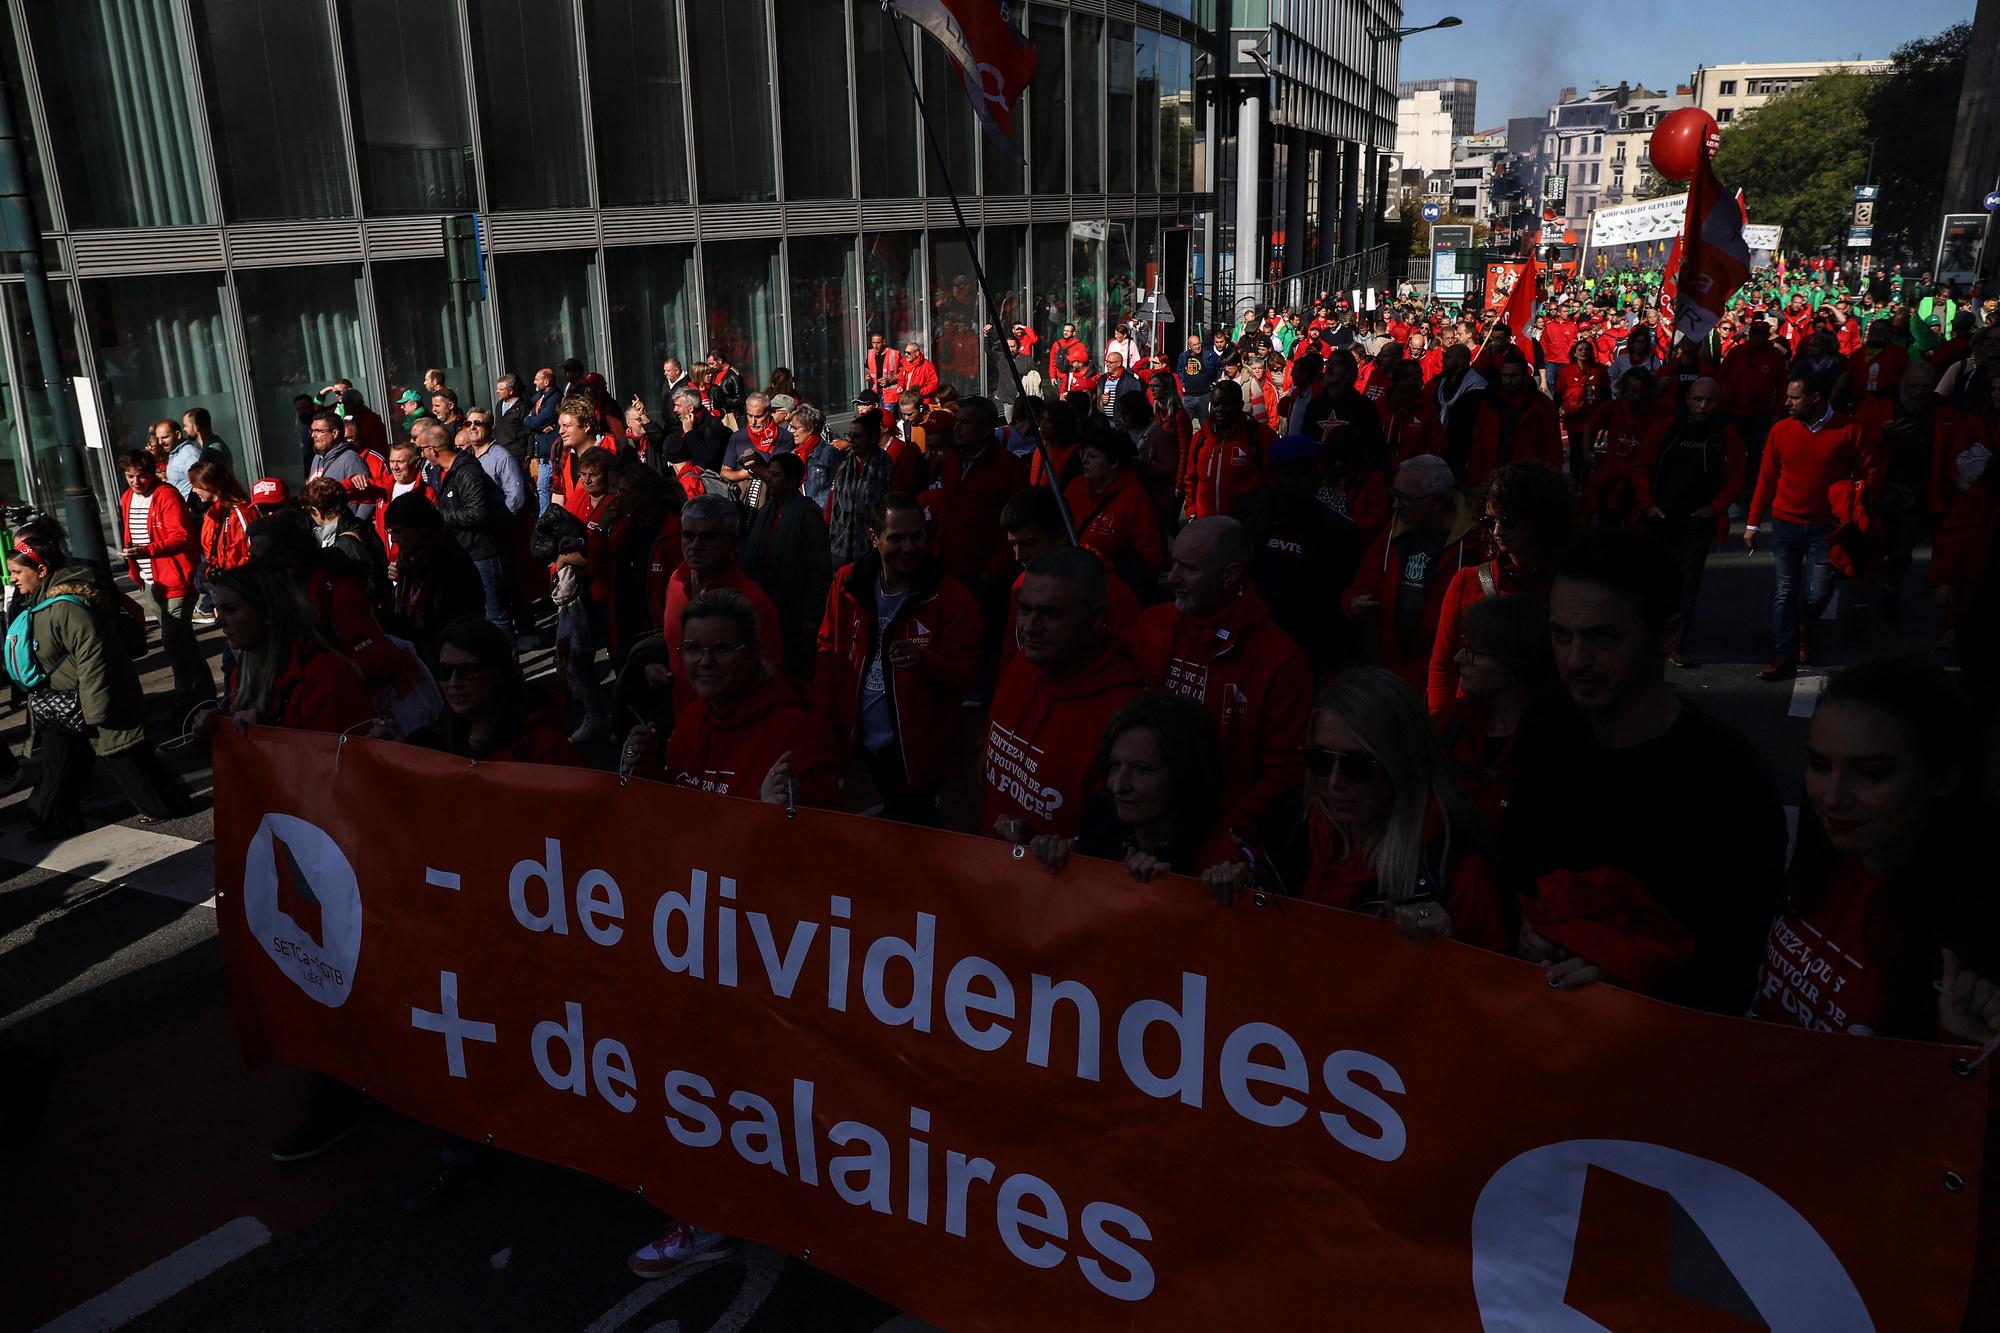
(1003, 1099)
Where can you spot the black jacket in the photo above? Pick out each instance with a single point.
(787, 555)
(725, 391)
(1300, 548)
(510, 428)
(473, 508)
(705, 444)
(434, 587)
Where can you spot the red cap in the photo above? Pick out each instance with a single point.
(269, 491)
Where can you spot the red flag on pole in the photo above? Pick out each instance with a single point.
(1519, 311)
(1710, 259)
(995, 61)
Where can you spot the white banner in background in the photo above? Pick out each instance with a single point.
(1635, 224)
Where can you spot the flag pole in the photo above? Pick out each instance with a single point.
(994, 315)
(1684, 284)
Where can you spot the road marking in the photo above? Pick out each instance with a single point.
(1805, 695)
(124, 857)
(440, 879)
(154, 1285)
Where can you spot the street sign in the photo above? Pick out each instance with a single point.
(1866, 192)
(1432, 212)
(1864, 213)
(1992, 202)
(1860, 237)
(1555, 188)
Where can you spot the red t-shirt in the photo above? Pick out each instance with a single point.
(1822, 969)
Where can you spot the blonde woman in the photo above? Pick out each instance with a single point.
(1380, 823)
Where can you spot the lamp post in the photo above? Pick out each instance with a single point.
(1371, 193)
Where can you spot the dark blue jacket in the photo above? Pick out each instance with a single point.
(1200, 382)
(541, 421)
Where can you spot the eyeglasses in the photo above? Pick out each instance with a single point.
(1495, 522)
(450, 671)
(721, 652)
(1354, 765)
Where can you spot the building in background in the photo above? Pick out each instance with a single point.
(1975, 140)
(1473, 160)
(1424, 131)
(1729, 92)
(1296, 82)
(1627, 163)
(244, 199)
(1576, 145)
(1459, 99)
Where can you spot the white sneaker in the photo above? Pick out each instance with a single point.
(682, 1244)
(593, 728)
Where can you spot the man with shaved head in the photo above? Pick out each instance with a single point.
(1217, 644)
(1690, 470)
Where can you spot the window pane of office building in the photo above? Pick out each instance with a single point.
(955, 313)
(1118, 110)
(126, 153)
(162, 347)
(1048, 124)
(1119, 277)
(1146, 101)
(31, 150)
(745, 286)
(33, 402)
(890, 139)
(1086, 284)
(893, 280)
(15, 487)
(530, 103)
(1086, 104)
(650, 296)
(412, 131)
(421, 329)
(812, 99)
(735, 160)
(1007, 271)
(302, 331)
(637, 104)
(274, 108)
(826, 321)
(1050, 255)
(953, 120)
(546, 310)
(1184, 168)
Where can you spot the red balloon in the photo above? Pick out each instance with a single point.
(1677, 142)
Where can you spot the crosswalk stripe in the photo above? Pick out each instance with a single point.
(157, 1283)
(124, 857)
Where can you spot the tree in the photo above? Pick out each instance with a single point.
(1798, 158)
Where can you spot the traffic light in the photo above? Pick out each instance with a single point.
(464, 265)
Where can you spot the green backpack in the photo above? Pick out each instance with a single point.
(19, 651)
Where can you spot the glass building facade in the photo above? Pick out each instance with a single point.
(244, 198)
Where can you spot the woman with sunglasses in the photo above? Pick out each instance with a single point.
(747, 733)
(1380, 824)
(1505, 664)
(490, 711)
(1528, 516)
(1159, 809)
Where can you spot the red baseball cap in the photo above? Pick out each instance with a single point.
(269, 491)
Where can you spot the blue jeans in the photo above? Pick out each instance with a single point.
(1800, 550)
(545, 480)
(493, 577)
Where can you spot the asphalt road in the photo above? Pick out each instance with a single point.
(150, 1198)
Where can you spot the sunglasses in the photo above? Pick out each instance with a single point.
(1495, 522)
(1354, 765)
(450, 671)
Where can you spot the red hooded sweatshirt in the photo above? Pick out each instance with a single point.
(1229, 467)
(963, 508)
(1120, 521)
(730, 754)
(927, 703)
(1535, 434)
(1041, 739)
(1255, 684)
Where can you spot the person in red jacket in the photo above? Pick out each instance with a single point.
(881, 366)
(1583, 390)
(406, 475)
(286, 674)
(1114, 515)
(1516, 421)
(898, 650)
(160, 548)
(1407, 569)
(1075, 376)
(1505, 665)
(1230, 454)
(972, 479)
(1217, 644)
(490, 712)
(747, 733)
(1410, 420)
(1875, 368)
(917, 372)
(226, 520)
(1692, 470)
(1053, 700)
(1753, 387)
(710, 529)
(1618, 486)
(1529, 516)
(1805, 457)
(1033, 523)
(1064, 350)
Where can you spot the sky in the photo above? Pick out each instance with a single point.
(1524, 52)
